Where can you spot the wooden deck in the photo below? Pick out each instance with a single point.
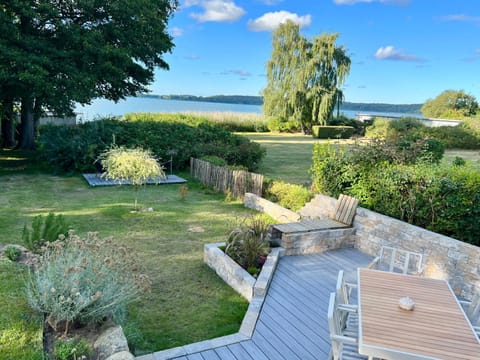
(97, 180)
(293, 321)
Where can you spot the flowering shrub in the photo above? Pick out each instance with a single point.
(84, 280)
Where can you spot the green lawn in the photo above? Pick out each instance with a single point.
(289, 156)
(188, 301)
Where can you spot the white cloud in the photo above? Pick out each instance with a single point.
(460, 17)
(176, 32)
(390, 53)
(270, 21)
(192, 57)
(241, 73)
(352, 2)
(477, 51)
(216, 10)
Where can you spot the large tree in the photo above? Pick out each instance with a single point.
(450, 104)
(304, 78)
(58, 52)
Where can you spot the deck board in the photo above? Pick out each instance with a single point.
(293, 322)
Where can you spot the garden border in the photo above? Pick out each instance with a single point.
(225, 266)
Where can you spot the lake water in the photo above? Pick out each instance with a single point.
(100, 108)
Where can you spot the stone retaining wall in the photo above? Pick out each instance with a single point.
(317, 241)
(444, 257)
(276, 211)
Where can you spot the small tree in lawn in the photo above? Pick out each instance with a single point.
(134, 165)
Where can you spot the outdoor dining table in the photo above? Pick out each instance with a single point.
(436, 328)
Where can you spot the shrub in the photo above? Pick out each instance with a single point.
(136, 166)
(75, 148)
(358, 126)
(12, 252)
(215, 160)
(85, 280)
(278, 125)
(332, 132)
(43, 229)
(442, 199)
(72, 349)
(290, 196)
(246, 243)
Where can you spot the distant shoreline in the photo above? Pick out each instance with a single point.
(258, 100)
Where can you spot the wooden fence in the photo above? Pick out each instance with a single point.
(237, 182)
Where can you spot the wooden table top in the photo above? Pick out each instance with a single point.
(437, 328)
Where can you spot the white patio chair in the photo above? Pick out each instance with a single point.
(343, 292)
(343, 346)
(472, 310)
(396, 260)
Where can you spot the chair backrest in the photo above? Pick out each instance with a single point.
(345, 209)
(397, 260)
(334, 325)
(341, 289)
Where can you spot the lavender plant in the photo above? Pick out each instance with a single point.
(84, 280)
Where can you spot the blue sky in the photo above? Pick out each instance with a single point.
(402, 51)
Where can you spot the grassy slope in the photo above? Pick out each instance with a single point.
(188, 302)
(289, 156)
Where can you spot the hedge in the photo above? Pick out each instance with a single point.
(439, 198)
(75, 148)
(332, 132)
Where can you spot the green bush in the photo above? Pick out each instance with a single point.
(43, 229)
(358, 126)
(442, 199)
(246, 242)
(84, 280)
(289, 196)
(72, 349)
(215, 160)
(75, 148)
(463, 136)
(278, 125)
(12, 253)
(332, 132)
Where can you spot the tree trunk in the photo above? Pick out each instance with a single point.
(27, 129)
(8, 124)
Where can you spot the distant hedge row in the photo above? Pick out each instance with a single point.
(75, 148)
(439, 198)
(463, 136)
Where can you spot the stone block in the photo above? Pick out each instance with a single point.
(110, 341)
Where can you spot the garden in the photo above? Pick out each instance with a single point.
(183, 301)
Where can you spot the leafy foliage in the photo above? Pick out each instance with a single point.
(451, 104)
(57, 53)
(44, 229)
(332, 132)
(12, 252)
(72, 349)
(71, 149)
(463, 136)
(290, 196)
(84, 280)
(442, 199)
(304, 78)
(134, 165)
(246, 242)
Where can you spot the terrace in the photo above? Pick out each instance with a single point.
(293, 324)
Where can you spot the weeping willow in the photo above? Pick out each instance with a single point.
(304, 78)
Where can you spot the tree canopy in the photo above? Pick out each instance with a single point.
(304, 78)
(56, 53)
(451, 104)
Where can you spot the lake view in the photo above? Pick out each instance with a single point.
(102, 108)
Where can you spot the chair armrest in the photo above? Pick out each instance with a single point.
(351, 285)
(345, 339)
(373, 262)
(348, 308)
